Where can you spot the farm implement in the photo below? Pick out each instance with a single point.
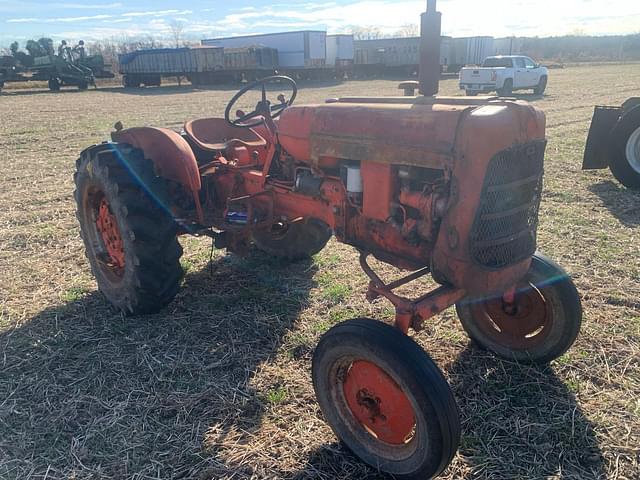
(56, 70)
(614, 142)
(446, 187)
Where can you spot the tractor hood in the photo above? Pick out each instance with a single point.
(417, 131)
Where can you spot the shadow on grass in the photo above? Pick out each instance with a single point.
(521, 421)
(86, 393)
(517, 422)
(624, 204)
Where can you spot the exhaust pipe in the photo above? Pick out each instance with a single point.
(430, 31)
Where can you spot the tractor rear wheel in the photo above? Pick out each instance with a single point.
(294, 242)
(625, 157)
(129, 235)
(541, 324)
(386, 399)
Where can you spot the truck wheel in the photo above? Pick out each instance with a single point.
(507, 88)
(130, 82)
(625, 158)
(542, 86)
(539, 327)
(471, 93)
(386, 399)
(294, 242)
(129, 236)
(54, 85)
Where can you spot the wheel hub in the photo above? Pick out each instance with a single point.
(519, 324)
(107, 225)
(378, 403)
(633, 150)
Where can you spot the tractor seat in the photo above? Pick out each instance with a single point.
(215, 134)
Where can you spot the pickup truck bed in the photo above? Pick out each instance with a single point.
(504, 74)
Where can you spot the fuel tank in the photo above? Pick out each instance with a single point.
(377, 130)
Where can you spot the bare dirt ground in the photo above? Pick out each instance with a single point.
(218, 385)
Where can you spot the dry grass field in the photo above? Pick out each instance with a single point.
(219, 385)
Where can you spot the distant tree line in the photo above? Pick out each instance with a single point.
(580, 48)
(570, 48)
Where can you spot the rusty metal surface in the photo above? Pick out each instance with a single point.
(107, 226)
(171, 155)
(377, 179)
(406, 100)
(401, 134)
(410, 313)
(460, 140)
(483, 132)
(524, 323)
(379, 403)
(215, 134)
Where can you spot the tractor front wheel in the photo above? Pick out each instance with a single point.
(294, 242)
(541, 323)
(129, 235)
(386, 399)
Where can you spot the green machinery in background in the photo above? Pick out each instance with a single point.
(56, 70)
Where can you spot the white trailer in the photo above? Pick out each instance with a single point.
(340, 49)
(395, 55)
(340, 54)
(299, 53)
(469, 51)
(508, 46)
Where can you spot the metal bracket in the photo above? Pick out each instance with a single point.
(410, 313)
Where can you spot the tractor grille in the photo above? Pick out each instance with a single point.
(505, 228)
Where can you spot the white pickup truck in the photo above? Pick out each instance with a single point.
(504, 74)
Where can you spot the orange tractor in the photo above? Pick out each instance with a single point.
(447, 187)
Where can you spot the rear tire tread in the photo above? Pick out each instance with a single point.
(300, 242)
(153, 271)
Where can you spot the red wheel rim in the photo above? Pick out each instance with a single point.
(524, 324)
(379, 404)
(107, 225)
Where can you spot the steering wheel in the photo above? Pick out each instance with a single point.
(264, 107)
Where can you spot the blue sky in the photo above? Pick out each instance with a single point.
(99, 19)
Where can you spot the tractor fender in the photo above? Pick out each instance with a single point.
(171, 155)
